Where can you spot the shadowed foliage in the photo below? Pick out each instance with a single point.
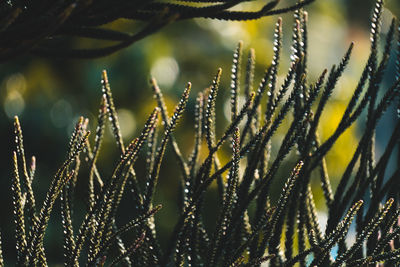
(43, 27)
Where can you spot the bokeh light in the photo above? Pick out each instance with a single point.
(165, 70)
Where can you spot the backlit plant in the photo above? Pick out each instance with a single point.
(251, 227)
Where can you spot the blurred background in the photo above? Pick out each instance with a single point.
(50, 95)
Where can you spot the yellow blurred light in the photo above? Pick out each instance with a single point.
(127, 123)
(14, 104)
(16, 82)
(343, 150)
(165, 70)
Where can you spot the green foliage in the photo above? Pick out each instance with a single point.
(41, 27)
(250, 225)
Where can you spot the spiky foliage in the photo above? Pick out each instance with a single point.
(37, 27)
(250, 225)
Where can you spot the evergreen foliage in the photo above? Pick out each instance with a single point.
(41, 27)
